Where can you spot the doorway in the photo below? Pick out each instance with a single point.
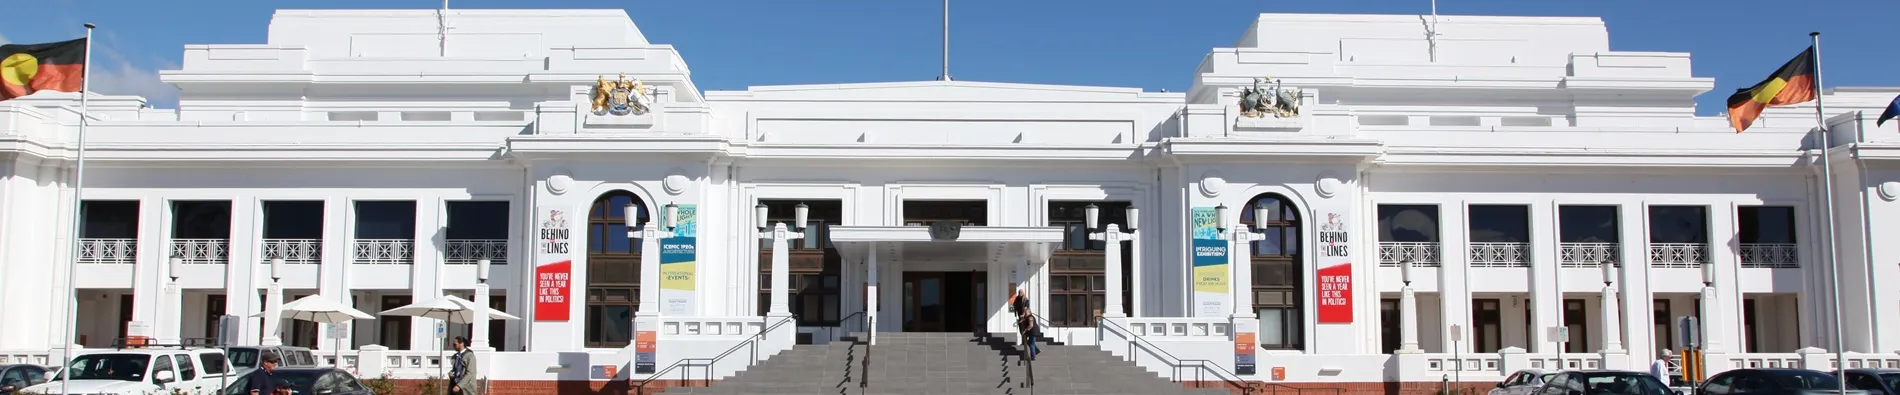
(945, 301)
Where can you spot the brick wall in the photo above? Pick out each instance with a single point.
(524, 387)
(619, 387)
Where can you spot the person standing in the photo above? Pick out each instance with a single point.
(463, 372)
(262, 380)
(1660, 368)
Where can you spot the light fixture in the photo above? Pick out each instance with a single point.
(1260, 213)
(277, 269)
(481, 270)
(632, 212)
(1405, 271)
(672, 216)
(1708, 273)
(1609, 272)
(1134, 214)
(802, 214)
(759, 212)
(1220, 218)
(177, 265)
(1092, 216)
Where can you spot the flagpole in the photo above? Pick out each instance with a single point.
(1827, 182)
(79, 182)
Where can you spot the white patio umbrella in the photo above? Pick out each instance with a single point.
(447, 308)
(318, 309)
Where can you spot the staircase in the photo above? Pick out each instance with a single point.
(943, 363)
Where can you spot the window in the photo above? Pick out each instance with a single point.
(214, 363)
(1278, 286)
(1767, 236)
(201, 219)
(393, 220)
(1575, 318)
(162, 363)
(923, 212)
(1588, 236)
(1488, 318)
(214, 312)
(478, 220)
(1748, 326)
(814, 263)
(293, 219)
(498, 329)
(1665, 324)
(1408, 232)
(613, 270)
(1080, 262)
(1389, 323)
(1678, 236)
(109, 219)
(393, 331)
(1500, 235)
(185, 369)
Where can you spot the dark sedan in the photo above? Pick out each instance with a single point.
(15, 377)
(1773, 382)
(307, 381)
(1603, 382)
(1875, 381)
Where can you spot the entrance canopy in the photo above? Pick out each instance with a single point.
(921, 244)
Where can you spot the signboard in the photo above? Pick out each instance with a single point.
(337, 330)
(1244, 343)
(1335, 274)
(553, 266)
(679, 267)
(1209, 264)
(645, 343)
(228, 329)
(1688, 332)
(1560, 334)
(441, 329)
(603, 372)
(1279, 373)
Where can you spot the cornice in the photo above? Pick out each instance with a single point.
(1571, 157)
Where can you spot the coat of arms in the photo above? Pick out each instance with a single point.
(1257, 101)
(620, 97)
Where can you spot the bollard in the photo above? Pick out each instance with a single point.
(1444, 385)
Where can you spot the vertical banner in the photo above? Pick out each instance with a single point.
(1210, 264)
(1335, 271)
(679, 267)
(645, 343)
(1244, 342)
(552, 266)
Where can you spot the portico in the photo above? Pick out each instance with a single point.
(914, 270)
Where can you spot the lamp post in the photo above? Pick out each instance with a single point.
(478, 331)
(274, 305)
(647, 315)
(1241, 261)
(1710, 313)
(1612, 324)
(1114, 237)
(172, 331)
(1408, 311)
(781, 264)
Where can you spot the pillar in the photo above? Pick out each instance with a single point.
(647, 317)
(1711, 321)
(478, 327)
(274, 314)
(1113, 236)
(1408, 320)
(1612, 323)
(870, 292)
(781, 276)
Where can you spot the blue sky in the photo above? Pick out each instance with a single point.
(1151, 44)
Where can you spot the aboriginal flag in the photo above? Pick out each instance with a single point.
(1793, 84)
(28, 68)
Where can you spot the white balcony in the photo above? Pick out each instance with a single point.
(294, 251)
(109, 251)
(202, 251)
(385, 251)
(1589, 254)
(467, 251)
(1391, 253)
(1678, 255)
(1499, 254)
(1771, 255)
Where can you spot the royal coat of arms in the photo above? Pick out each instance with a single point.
(1258, 101)
(620, 97)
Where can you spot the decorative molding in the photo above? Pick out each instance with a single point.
(1890, 190)
(385, 251)
(1327, 185)
(560, 182)
(294, 251)
(1499, 254)
(468, 251)
(1212, 184)
(675, 182)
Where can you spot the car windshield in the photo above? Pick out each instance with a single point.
(123, 367)
(242, 357)
(1804, 379)
(1892, 380)
(1623, 383)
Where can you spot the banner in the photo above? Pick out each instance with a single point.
(1244, 352)
(1334, 293)
(553, 266)
(645, 343)
(679, 266)
(1210, 264)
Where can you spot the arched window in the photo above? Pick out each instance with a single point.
(613, 270)
(1278, 284)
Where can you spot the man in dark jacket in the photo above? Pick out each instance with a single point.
(261, 381)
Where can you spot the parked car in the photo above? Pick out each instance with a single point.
(1875, 381)
(1603, 382)
(15, 377)
(140, 371)
(1773, 382)
(1524, 382)
(307, 381)
(245, 358)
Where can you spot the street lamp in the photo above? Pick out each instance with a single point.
(1408, 310)
(174, 266)
(1612, 337)
(274, 304)
(781, 264)
(481, 270)
(1113, 236)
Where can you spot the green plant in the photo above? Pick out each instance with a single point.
(430, 386)
(384, 385)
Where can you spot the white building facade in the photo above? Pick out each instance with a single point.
(1507, 161)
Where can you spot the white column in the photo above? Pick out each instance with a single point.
(273, 314)
(647, 318)
(1408, 320)
(171, 311)
(478, 329)
(1711, 321)
(1240, 263)
(1612, 324)
(781, 268)
(870, 291)
(426, 268)
(1113, 264)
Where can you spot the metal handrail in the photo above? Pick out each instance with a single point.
(1205, 366)
(685, 364)
(832, 331)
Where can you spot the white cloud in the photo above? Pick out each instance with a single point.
(114, 74)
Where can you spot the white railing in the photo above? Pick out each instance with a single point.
(712, 326)
(406, 363)
(1391, 253)
(1771, 255)
(300, 251)
(1765, 361)
(1678, 255)
(1499, 254)
(39, 358)
(385, 251)
(1567, 361)
(1475, 364)
(202, 251)
(118, 251)
(1160, 328)
(1589, 254)
(467, 251)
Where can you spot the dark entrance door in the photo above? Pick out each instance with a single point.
(943, 301)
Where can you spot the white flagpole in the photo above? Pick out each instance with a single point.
(1827, 183)
(79, 181)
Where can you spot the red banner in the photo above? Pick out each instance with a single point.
(1335, 294)
(550, 291)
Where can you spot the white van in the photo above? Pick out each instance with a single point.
(147, 371)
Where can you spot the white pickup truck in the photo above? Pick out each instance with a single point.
(150, 371)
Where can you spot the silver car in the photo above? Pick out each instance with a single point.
(1523, 382)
